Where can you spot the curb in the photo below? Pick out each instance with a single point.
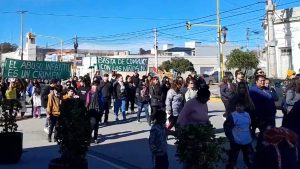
(215, 99)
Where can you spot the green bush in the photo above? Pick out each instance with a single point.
(198, 147)
(73, 130)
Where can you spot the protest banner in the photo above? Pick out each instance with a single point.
(36, 69)
(122, 64)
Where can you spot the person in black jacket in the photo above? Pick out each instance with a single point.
(119, 95)
(143, 98)
(227, 90)
(291, 121)
(156, 96)
(105, 91)
(136, 78)
(165, 88)
(130, 94)
(83, 89)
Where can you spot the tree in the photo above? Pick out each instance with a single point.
(179, 64)
(144, 52)
(6, 47)
(242, 60)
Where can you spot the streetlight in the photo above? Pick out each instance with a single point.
(53, 37)
(22, 32)
(222, 32)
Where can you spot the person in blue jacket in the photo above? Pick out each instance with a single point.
(264, 102)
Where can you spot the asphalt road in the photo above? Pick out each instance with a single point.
(123, 145)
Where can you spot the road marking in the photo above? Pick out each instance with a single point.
(214, 99)
(107, 162)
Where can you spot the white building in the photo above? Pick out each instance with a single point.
(203, 57)
(287, 36)
(29, 51)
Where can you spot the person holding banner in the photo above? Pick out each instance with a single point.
(119, 96)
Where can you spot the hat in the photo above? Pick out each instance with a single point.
(290, 73)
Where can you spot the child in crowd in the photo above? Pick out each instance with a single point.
(37, 101)
(237, 130)
(158, 141)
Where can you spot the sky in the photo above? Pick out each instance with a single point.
(129, 24)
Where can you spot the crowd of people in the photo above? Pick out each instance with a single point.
(250, 105)
(168, 103)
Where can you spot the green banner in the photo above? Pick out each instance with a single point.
(36, 69)
(122, 64)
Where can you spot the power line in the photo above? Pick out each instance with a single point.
(183, 23)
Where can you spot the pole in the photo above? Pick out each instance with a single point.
(61, 49)
(247, 37)
(220, 59)
(272, 68)
(155, 50)
(22, 32)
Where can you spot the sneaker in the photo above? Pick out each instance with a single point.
(39, 117)
(46, 130)
(34, 117)
(138, 121)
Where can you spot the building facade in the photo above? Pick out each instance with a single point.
(287, 33)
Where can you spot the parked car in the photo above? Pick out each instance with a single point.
(209, 79)
(226, 73)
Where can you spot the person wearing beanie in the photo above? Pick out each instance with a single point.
(291, 74)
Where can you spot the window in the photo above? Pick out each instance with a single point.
(286, 51)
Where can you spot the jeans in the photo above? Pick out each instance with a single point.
(234, 153)
(130, 101)
(53, 123)
(154, 110)
(161, 161)
(120, 103)
(94, 126)
(106, 104)
(144, 106)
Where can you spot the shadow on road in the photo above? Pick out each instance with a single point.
(118, 135)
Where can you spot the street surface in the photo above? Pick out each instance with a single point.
(123, 145)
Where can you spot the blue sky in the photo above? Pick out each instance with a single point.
(93, 21)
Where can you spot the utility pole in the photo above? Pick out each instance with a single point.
(272, 61)
(22, 28)
(220, 46)
(155, 51)
(75, 56)
(247, 38)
